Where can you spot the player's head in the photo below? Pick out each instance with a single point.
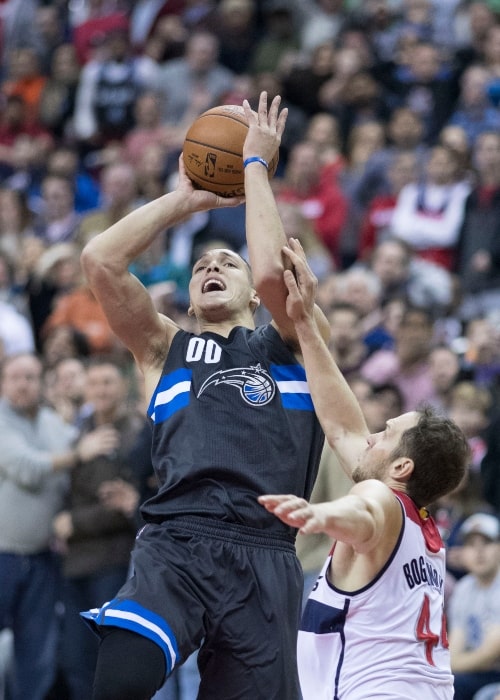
(221, 284)
(422, 452)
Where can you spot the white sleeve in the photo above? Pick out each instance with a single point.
(422, 231)
(85, 123)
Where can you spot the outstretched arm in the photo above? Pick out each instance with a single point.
(359, 519)
(337, 408)
(107, 257)
(264, 229)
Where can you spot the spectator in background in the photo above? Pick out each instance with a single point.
(296, 123)
(57, 101)
(80, 310)
(490, 466)
(151, 172)
(472, 24)
(64, 161)
(149, 129)
(364, 140)
(25, 79)
(429, 214)
(469, 406)
(346, 342)
(9, 289)
(52, 31)
(303, 79)
(478, 245)
(445, 372)
(455, 138)
(16, 224)
(475, 112)
(95, 540)
(404, 132)
(37, 451)
(279, 39)
(360, 100)
(236, 26)
(491, 57)
(107, 90)
(427, 86)
(404, 274)
(481, 357)
(361, 288)
(321, 201)
(146, 18)
(196, 81)
(64, 389)
(63, 342)
(58, 220)
(92, 22)
(407, 366)
(118, 196)
(298, 226)
(474, 609)
(323, 130)
(376, 224)
(382, 333)
(19, 28)
(15, 130)
(53, 272)
(320, 23)
(16, 333)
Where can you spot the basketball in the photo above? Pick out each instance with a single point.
(213, 149)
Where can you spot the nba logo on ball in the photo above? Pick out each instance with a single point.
(210, 163)
(213, 151)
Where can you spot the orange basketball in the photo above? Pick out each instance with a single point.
(213, 150)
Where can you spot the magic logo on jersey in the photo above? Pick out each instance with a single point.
(255, 385)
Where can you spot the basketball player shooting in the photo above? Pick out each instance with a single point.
(232, 418)
(373, 625)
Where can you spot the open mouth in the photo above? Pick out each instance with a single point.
(213, 285)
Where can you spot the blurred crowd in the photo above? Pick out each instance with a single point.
(389, 174)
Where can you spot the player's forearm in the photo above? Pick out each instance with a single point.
(472, 661)
(125, 240)
(351, 519)
(483, 658)
(336, 406)
(264, 229)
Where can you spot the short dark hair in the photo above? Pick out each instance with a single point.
(440, 453)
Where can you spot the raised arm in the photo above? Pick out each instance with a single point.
(336, 406)
(107, 257)
(264, 229)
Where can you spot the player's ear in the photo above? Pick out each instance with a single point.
(402, 468)
(254, 301)
(190, 311)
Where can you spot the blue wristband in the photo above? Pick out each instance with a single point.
(256, 159)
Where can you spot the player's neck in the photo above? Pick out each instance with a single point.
(224, 327)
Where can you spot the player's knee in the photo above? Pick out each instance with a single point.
(129, 667)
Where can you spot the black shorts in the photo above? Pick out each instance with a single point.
(232, 591)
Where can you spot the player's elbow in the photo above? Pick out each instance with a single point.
(268, 276)
(90, 260)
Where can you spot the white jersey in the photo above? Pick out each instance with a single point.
(387, 640)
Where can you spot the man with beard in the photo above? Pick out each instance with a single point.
(373, 624)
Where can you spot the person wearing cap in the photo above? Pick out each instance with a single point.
(474, 608)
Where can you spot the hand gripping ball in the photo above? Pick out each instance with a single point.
(213, 151)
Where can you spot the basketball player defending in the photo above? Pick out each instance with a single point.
(373, 626)
(232, 418)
